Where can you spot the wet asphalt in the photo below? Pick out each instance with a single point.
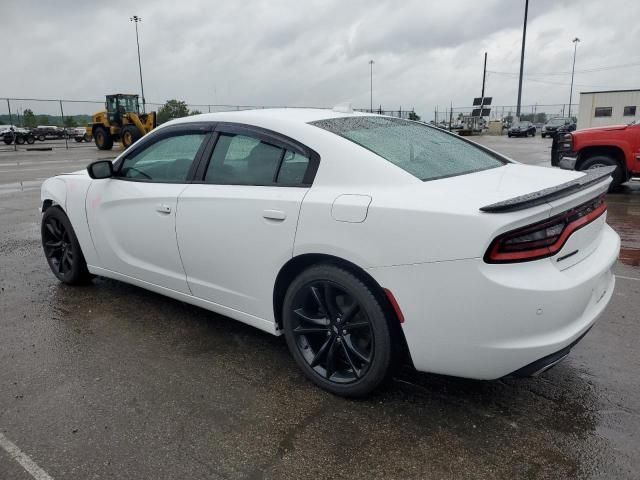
(112, 381)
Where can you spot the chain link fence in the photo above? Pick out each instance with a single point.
(536, 113)
(57, 123)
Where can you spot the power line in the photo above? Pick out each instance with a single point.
(584, 70)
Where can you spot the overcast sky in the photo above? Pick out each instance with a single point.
(316, 52)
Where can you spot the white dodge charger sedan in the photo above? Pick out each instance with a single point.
(364, 239)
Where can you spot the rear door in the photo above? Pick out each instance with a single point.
(132, 215)
(236, 228)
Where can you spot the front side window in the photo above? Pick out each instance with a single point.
(425, 152)
(244, 160)
(167, 160)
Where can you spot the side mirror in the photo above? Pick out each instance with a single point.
(100, 169)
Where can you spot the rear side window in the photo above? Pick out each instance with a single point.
(244, 160)
(425, 152)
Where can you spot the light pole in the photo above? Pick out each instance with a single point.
(371, 62)
(573, 69)
(524, 37)
(135, 19)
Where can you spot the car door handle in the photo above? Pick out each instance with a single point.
(274, 215)
(163, 208)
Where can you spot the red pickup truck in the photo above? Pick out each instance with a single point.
(617, 145)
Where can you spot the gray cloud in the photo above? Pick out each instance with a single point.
(287, 52)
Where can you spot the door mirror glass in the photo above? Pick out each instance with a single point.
(100, 169)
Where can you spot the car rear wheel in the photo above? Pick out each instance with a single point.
(41, 138)
(605, 161)
(20, 140)
(61, 248)
(31, 140)
(337, 331)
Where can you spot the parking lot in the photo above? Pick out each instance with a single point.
(112, 381)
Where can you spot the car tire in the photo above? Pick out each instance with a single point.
(31, 140)
(62, 249)
(509, 135)
(103, 139)
(42, 138)
(130, 135)
(87, 138)
(605, 161)
(78, 139)
(337, 331)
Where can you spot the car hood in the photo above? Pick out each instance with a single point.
(602, 129)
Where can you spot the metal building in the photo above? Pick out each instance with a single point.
(613, 107)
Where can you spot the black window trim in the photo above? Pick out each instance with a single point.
(172, 131)
(265, 135)
(608, 110)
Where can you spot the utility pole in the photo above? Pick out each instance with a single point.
(484, 73)
(573, 69)
(135, 19)
(371, 62)
(524, 37)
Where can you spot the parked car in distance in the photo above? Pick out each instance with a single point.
(522, 129)
(17, 134)
(615, 145)
(353, 235)
(43, 132)
(80, 134)
(551, 127)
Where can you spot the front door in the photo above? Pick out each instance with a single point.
(237, 228)
(132, 216)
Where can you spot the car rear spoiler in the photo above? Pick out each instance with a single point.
(529, 200)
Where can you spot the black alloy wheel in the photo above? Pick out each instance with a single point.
(61, 248)
(337, 331)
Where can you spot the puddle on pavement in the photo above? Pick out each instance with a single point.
(624, 216)
(17, 187)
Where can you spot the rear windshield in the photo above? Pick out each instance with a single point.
(425, 152)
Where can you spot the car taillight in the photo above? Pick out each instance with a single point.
(545, 238)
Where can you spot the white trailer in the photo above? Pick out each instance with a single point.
(613, 107)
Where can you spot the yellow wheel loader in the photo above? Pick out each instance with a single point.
(120, 121)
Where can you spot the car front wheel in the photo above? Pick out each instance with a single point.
(62, 249)
(599, 161)
(337, 331)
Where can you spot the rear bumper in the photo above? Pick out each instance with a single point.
(545, 363)
(471, 319)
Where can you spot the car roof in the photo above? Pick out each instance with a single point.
(269, 115)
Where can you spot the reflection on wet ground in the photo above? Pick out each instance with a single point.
(624, 216)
